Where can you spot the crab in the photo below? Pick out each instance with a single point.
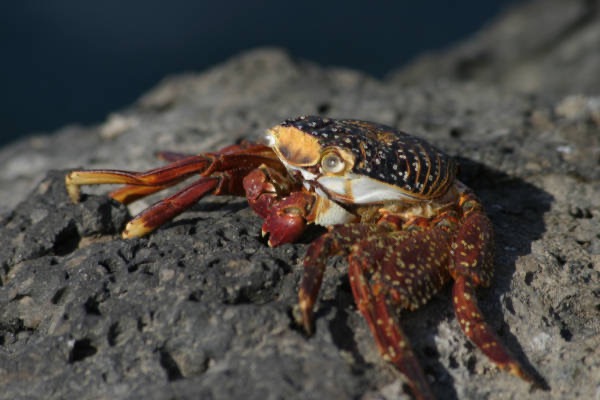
(391, 203)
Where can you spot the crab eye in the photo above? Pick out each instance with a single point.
(332, 163)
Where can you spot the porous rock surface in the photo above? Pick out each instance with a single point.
(201, 308)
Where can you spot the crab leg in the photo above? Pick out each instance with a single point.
(480, 333)
(221, 173)
(389, 337)
(385, 280)
(227, 182)
(337, 241)
(132, 192)
(229, 158)
(167, 209)
(473, 261)
(148, 182)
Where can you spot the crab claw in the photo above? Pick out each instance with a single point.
(287, 219)
(283, 228)
(260, 190)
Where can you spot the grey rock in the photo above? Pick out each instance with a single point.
(202, 307)
(546, 47)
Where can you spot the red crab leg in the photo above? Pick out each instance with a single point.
(159, 178)
(167, 209)
(335, 242)
(226, 182)
(480, 333)
(130, 193)
(200, 164)
(222, 173)
(400, 271)
(156, 179)
(133, 192)
(389, 337)
(473, 267)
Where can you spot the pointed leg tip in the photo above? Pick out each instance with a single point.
(305, 323)
(308, 326)
(536, 381)
(72, 188)
(74, 195)
(306, 316)
(134, 229)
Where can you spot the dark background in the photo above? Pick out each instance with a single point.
(67, 61)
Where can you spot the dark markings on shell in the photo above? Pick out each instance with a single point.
(384, 153)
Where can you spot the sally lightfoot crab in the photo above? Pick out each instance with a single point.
(390, 201)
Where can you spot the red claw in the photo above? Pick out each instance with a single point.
(288, 218)
(259, 192)
(285, 218)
